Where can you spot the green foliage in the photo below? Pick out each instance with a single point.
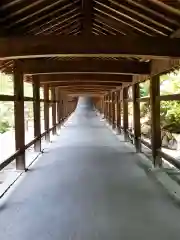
(6, 116)
(170, 110)
(4, 126)
(144, 89)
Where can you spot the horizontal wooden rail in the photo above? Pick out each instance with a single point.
(171, 97)
(146, 143)
(143, 99)
(10, 159)
(9, 98)
(170, 159)
(162, 154)
(20, 151)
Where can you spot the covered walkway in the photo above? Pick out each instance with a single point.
(87, 186)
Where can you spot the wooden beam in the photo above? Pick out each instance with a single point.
(87, 17)
(113, 97)
(53, 93)
(41, 66)
(53, 78)
(109, 108)
(46, 112)
(83, 84)
(19, 115)
(77, 94)
(77, 46)
(58, 105)
(118, 109)
(36, 110)
(125, 113)
(155, 119)
(136, 117)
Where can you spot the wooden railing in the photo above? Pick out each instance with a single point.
(21, 151)
(112, 104)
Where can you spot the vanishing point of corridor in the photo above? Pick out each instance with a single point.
(88, 186)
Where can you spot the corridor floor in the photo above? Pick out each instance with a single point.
(88, 186)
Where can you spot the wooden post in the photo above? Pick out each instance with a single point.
(118, 121)
(125, 113)
(136, 117)
(53, 109)
(105, 107)
(58, 105)
(46, 111)
(36, 109)
(109, 109)
(113, 94)
(19, 115)
(155, 119)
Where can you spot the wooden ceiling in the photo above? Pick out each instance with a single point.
(99, 43)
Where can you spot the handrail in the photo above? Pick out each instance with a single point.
(170, 159)
(162, 154)
(20, 151)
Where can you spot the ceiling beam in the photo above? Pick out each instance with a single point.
(86, 94)
(41, 66)
(84, 85)
(77, 46)
(111, 78)
(87, 17)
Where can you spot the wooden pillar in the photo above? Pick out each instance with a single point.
(53, 93)
(46, 111)
(118, 121)
(110, 98)
(106, 99)
(113, 94)
(109, 109)
(136, 117)
(19, 115)
(155, 119)
(58, 97)
(36, 109)
(125, 113)
(105, 107)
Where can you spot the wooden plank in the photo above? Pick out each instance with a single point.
(125, 113)
(53, 109)
(19, 115)
(46, 112)
(155, 119)
(41, 66)
(36, 110)
(136, 117)
(77, 46)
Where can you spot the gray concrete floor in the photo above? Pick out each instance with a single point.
(88, 186)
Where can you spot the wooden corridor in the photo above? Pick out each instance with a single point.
(88, 185)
